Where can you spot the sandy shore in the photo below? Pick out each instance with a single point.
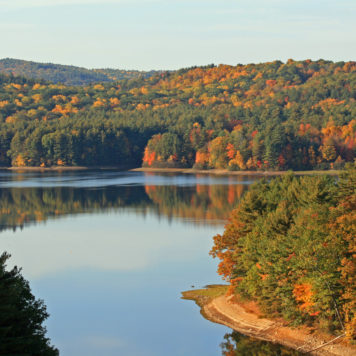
(246, 318)
(223, 311)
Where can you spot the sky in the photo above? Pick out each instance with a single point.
(172, 34)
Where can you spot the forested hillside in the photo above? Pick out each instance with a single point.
(294, 115)
(69, 75)
(290, 246)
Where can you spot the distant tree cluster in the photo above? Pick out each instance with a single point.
(269, 116)
(290, 246)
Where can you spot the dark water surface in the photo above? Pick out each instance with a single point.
(110, 253)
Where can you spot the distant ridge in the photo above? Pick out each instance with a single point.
(67, 74)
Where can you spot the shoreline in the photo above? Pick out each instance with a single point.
(230, 173)
(64, 168)
(242, 318)
(221, 172)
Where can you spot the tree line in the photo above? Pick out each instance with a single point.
(270, 116)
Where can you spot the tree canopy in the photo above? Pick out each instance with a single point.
(269, 116)
(22, 316)
(290, 245)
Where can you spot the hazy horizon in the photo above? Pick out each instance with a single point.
(173, 34)
(162, 69)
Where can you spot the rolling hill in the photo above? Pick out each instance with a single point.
(66, 74)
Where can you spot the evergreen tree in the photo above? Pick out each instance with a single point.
(21, 316)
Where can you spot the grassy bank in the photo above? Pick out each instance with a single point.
(206, 295)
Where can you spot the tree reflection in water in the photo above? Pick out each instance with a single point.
(199, 203)
(236, 344)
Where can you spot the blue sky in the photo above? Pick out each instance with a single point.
(171, 34)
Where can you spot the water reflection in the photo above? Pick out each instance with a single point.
(236, 344)
(27, 199)
(88, 179)
(112, 268)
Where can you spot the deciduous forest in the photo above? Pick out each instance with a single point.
(271, 116)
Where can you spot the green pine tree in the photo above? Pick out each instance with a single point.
(21, 316)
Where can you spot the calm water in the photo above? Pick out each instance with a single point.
(111, 252)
